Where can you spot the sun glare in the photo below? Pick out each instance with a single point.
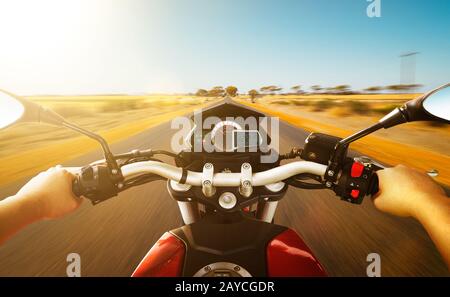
(45, 39)
(33, 26)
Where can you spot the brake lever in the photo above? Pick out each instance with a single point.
(366, 160)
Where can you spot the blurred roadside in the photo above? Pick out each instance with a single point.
(29, 148)
(424, 146)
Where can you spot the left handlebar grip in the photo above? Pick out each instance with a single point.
(94, 183)
(77, 189)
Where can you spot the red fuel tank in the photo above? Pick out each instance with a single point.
(288, 255)
(165, 258)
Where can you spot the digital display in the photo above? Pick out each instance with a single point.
(246, 138)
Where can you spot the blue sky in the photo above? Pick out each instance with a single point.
(134, 46)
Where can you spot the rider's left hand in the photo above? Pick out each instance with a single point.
(51, 193)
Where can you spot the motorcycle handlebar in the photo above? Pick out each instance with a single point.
(94, 181)
(270, 176)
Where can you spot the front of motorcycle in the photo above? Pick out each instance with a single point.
(231, 192)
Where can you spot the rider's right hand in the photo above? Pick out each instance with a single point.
(406, 192)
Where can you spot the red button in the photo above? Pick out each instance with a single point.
(357, 169)
(354, 194)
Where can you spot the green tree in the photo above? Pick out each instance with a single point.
(270, 89)
(265, 89)
(373, 89)
(403, 88)
(275, 89)
(231, 91)
(216, 92)
(253, 94)
(316, 88)
(342, 88)
(201, 93)
(297, 89)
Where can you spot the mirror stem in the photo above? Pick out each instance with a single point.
(395, 117)
(109, 157)
(340, 150)
(361, 134)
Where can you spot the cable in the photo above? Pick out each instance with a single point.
(304, 176)
(295, 181)
(303, 185)
(167, 153)
(139, 159)
(140, 180)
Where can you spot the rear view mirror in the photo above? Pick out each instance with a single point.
(15, 109)
(433, 106)
(438, 103)
(11, 109)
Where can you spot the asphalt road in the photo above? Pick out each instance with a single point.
(114, 236)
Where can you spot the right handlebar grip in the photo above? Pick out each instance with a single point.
(374, 185)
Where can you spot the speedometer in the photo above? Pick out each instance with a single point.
(222, 135)
(224, 125)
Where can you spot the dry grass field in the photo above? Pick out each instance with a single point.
(365, 97)
(26, 149)
(423, 146)
(341, 105)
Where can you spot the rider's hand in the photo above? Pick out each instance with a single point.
(405, 191)
(50, 192)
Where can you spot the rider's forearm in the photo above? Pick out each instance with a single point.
(435, 217)
(15, 213)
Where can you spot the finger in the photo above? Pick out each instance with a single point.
(79, 200)
(377, 202)
(68, 174)
(73, 170)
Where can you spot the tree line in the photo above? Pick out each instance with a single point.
(232, 91)
(218, 92)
